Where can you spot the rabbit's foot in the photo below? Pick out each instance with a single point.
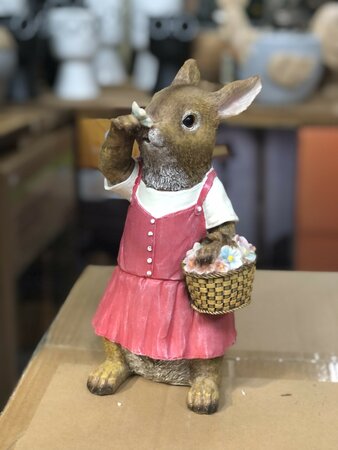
(203, 396)
(106, 379)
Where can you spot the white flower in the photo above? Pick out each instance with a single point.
(196, 246)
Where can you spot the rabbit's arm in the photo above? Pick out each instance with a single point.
(212, 243)
(116, 162)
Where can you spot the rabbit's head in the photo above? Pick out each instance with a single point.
(182, 119)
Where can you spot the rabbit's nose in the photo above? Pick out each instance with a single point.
(155, 137)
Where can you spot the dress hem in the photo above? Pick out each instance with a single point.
(162, 358)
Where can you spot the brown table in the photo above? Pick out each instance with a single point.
(278, 392)
(318, 110)
(111, 102)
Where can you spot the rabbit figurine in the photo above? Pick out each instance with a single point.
(145, 318)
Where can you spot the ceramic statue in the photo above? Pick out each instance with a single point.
(73, 33)
(144, 318)
(16, 8)
(171, 42)
(108, 65)
(146, 64)
(324, 25)
(289, 62)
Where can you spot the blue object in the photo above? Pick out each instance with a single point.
(270, 44)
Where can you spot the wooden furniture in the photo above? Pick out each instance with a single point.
(114, 101)
(271, 376)
(110, 103)
(316, 111)
(36, 204)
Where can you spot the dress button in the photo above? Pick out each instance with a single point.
(199, 208)
(152, 220)
(149, 273)
(150, 233)
(149, 260)
(149, 248)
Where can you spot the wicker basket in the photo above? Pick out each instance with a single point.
(221, 293)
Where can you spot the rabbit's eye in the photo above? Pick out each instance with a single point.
(189, 121)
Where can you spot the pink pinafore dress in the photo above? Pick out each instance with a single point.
(145, 306)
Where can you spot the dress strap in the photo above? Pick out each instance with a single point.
(138, 179)
(205, 190)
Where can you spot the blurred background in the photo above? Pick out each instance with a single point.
(66, 67)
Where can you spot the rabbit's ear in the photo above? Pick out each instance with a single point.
(236, 97)
(188, 74)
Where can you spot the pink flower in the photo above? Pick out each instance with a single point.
(248, 250)
(220, 266)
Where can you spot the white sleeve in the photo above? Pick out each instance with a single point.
(125, 188)
(217, 206)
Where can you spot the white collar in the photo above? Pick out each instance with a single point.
(161, 203)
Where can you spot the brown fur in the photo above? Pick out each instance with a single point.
(174, 158)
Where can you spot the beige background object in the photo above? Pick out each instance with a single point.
(6, 39)
(290, 71)
(325, 26)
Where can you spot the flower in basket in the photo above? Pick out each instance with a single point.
(231, 256)
(234, 265)
(247, 250)
(189, 261)
(220, 266)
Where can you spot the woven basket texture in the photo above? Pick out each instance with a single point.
(221, 293)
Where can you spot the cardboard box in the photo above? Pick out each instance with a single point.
(279, 389)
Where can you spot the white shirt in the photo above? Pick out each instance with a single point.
(217, 206)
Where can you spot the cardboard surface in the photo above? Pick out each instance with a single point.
(272, 414)
(287, 342)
